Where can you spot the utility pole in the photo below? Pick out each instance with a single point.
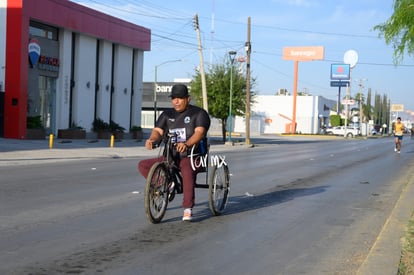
(202, 73)
(360, 107)
(232, 55)
(248, 48)
(360, 103)
(348, 95)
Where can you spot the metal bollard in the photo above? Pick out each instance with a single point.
(112, 141)
(50, 141)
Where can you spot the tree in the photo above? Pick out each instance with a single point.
(360, 99)
(367, 108)
(398, 30)
(377, 109)
(335, 120)
(381, 113)
(385, 110)
(218, 93)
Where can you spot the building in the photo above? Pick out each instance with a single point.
(271, 114)
(68, 64)
(155, 99)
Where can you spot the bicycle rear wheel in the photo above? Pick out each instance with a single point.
(219, 188)
(156, 192)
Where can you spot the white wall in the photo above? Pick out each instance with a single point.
(138, 87)
(103, 100)
(83, 98)
(121, 96)
(3, 20)
(270, 114)
(63, 81)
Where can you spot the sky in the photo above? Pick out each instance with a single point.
(338, 26)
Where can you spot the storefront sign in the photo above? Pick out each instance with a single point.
(48, 63)
(34, 51)
(339, 83)
(397, 107)
(348, 101)
(164, 88)
(340, 71)
(303, 53)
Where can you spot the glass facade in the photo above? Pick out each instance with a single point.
(43, 76)
(42, 30)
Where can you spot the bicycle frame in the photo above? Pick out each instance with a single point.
(174, 170)
(159, 192)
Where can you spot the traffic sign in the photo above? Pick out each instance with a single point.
(339, 83)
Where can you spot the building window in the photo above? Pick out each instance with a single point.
(42, 30)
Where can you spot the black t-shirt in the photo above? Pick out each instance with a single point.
(184, 124)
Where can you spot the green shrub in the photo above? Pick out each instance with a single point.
(135, 128)
(335, 120)
(99, 125)
(34, 122)
(115, 127)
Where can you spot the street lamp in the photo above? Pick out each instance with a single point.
(232, 55)
(155, 86)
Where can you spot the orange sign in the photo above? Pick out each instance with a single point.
(304, 53)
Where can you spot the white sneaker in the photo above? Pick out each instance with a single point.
(188, 214)
(395, 149)
(171, 187)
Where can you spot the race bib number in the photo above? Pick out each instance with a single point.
(181, 135)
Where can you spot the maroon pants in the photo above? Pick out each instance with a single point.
(188, 174)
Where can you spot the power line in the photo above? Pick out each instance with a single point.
(341, 61)
(150, 10)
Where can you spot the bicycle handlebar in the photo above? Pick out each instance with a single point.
(165, 140)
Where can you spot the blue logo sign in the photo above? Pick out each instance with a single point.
(34, 51)
(340, 71)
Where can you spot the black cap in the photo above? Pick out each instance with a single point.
(179, 90)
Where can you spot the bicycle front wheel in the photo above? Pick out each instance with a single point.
(219, 188)
(156, 192)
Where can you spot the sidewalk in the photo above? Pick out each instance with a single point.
(20, 152)
(23, 152)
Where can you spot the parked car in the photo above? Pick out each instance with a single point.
(340, 131)
(333, 130)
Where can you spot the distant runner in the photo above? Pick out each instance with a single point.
(398, 134)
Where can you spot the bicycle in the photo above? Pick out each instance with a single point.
(164, 181)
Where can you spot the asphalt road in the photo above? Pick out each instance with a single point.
(296, 207)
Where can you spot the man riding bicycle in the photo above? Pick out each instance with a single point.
(191, 124)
